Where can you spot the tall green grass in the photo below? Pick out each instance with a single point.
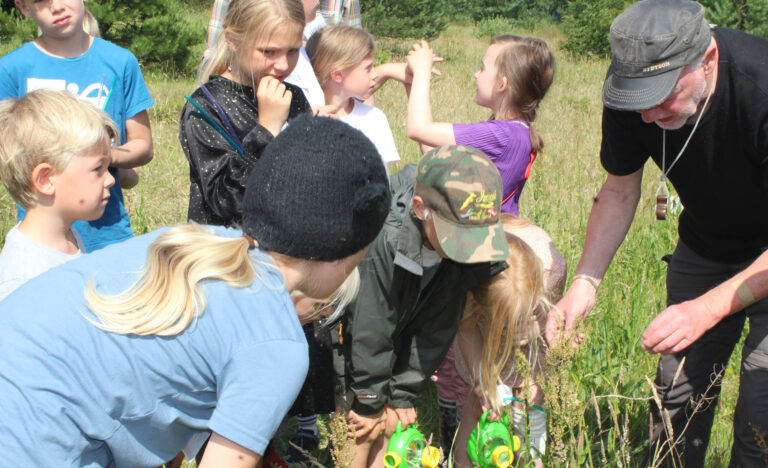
(598, 394)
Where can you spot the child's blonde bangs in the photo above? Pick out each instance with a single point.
(48, 126)
(251, 23)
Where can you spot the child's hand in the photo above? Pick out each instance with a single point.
(420, 58)
(406, 416)
(129, 178)
(364, 427)
(482, 397)
(274, 103)
(390, 423)
(329, 110)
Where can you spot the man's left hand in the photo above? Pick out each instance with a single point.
(679, 325)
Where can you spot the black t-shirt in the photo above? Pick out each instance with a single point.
(722, 177)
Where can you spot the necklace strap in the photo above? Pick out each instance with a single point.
(665, 171)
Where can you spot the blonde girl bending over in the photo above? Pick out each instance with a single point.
(122, 357)
(502, 317)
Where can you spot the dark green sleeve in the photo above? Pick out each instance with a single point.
(371, 323)
(421, 355)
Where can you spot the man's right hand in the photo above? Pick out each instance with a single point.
(572, 308)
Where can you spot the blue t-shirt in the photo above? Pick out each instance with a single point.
(105, 74)
(74, 395)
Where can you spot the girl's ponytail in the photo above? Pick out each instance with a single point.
(90, 25)
(167, 296)
(529, 67)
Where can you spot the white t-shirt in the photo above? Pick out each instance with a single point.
(23, 258)
(304, 77)
(373, 123)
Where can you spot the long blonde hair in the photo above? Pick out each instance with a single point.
(338, 47)
(529, 67)
(90, 24)
(167, 295)
(246, 22)
(507, 305)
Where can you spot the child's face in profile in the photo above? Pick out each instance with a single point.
(276, 56)
(309, 309)
(487, 78)
(358, 81)
(81, 190)
(55, 18)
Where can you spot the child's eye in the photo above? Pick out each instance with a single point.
(268, 52)
(293, 51)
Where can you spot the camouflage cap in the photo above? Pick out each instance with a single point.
(462, 189)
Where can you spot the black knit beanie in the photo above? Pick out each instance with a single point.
(319, 191)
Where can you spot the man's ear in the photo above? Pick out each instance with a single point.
(23, 8)
(419, 207)
(710, 58)
(43, 179)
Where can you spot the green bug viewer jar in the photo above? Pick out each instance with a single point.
(408, 449)
(491, 445)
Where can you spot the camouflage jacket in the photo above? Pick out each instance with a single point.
(394, 335)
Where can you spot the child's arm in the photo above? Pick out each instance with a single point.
(398, 71)
(137, 149)
(420, 127)
(222, 452)
(129, 178)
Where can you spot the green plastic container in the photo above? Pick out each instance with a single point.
(408, 449)
(491, 445)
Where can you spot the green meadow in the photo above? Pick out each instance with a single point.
(597, 395)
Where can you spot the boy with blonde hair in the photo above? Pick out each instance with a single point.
(54, 158)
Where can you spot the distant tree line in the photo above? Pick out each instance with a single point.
(155, 31)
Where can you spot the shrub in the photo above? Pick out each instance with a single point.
(587, 22)
(14, 29)
(404, 18)
(744, 15)
(153, 30)
(491, 27)
(516, 11)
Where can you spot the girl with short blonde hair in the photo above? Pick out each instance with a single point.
(342, 57)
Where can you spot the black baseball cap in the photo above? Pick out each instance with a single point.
(651, 42)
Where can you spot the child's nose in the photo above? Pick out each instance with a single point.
(281, 63)
(109, 180)
(55, 5)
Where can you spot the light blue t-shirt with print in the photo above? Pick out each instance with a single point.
(74, 395)
(106, 75)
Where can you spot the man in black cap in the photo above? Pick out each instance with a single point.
(695, 99)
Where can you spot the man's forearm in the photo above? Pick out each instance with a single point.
(743, 290)
(612, 213)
